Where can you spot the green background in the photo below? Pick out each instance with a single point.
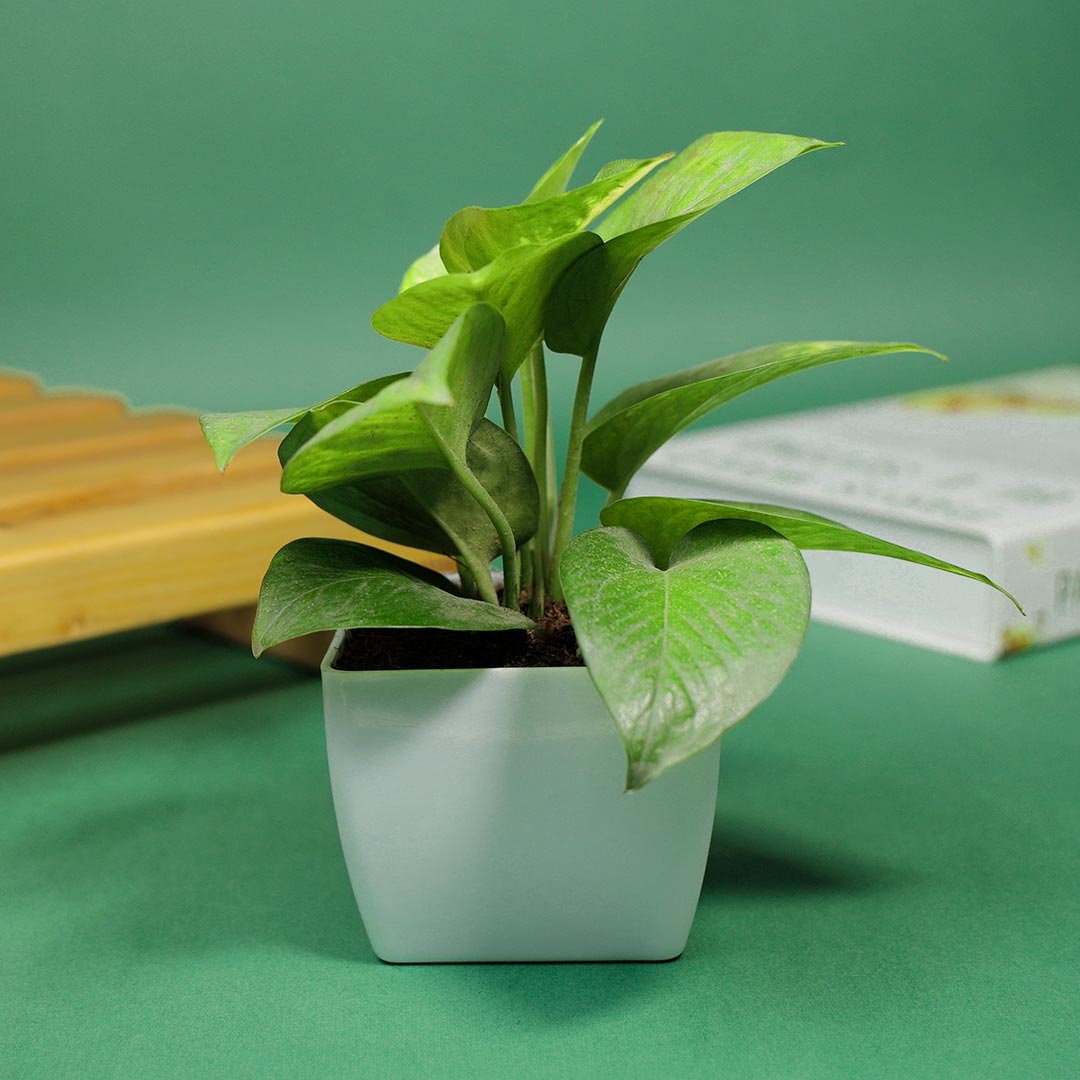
(202, 203)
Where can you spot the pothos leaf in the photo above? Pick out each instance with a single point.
(428, 266)
(710, 170)
(317, 584)
(430, 508)
(557, 178)
(626, 431)
(475, 236)
(553, 182)
(663, 522)
(682, 652)
(517, 283)
(392, 431)
(227, 433)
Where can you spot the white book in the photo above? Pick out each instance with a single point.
(985, 475)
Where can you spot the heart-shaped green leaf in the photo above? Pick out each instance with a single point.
(428, 266)
(626, 431)
(517, 283)
(430, 508)
(663, 522)
(317, 584)
(682, 653)
(553, 182)
(556, 180)
(394, 431)
(475, 236)
(710, 170)
(584, 297)
(229, 432)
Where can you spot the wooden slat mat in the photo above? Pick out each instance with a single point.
(112, 519)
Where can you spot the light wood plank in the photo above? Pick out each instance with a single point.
(103, 570)
(155, 520)
(117, 436)
(59, 410)
(18, 387)
(131, 477)
(111, 520)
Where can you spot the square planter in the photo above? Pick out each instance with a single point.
(482, 818)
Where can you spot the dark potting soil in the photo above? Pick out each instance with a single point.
(551, 644)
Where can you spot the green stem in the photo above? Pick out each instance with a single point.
(545, 469)
(528, 568)
(485, 585)
(505, 389)
(467, 560)
(537, 444)
(564, 528)
(528, 408)
(511, 566)
(468, 582)
(552, 478)
(475, 573)
(479, 573)
(531, 568)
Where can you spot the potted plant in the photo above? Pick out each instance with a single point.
(489, 809)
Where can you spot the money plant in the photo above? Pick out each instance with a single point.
(687, 613)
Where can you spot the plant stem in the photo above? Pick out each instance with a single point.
(531, 568)
(505, 388)
(564, 528)
(485, 585)
(511, 566)
(468, 582)
(535, 406)
(528, 568)
(468, 561)
(528, 408)
(552, 479)
(479, 573)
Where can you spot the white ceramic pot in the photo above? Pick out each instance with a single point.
(483, 818)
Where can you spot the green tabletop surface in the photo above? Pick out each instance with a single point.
(893, 889)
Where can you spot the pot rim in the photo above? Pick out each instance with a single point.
(326, 668)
